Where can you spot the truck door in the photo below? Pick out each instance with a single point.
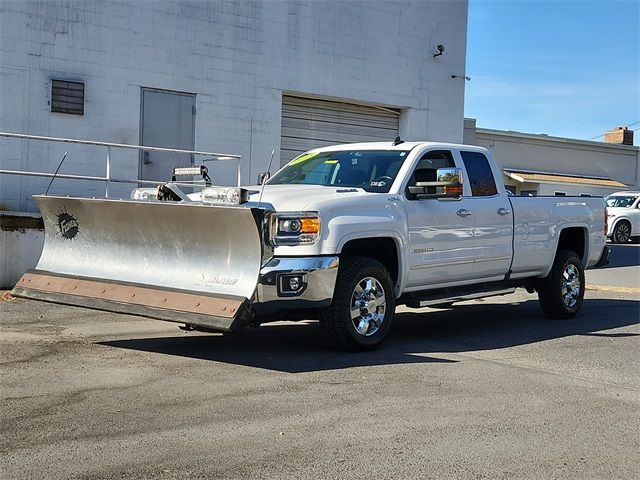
(440, 231)
(492, 216)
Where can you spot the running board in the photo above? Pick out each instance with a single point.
(435, 299)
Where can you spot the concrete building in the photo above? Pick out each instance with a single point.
(245, 77)
(546, 165)
(241, 77)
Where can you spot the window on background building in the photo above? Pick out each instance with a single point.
(586, 195)
(560, 194)
(67, 97)
(528, 193)
(511, 188)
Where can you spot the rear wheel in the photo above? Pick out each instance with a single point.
(621, 232)
(561, 293)
(363, 305)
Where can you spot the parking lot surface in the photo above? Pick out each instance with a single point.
(486, 389)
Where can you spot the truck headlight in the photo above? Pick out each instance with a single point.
(145, 194)
(295, 228)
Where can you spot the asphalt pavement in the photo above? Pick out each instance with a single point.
(486, 389)
(623, 269)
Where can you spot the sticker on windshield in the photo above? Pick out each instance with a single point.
(303, 158)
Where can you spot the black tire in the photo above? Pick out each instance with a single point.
(336, 320)
(621, 232)
(554, 301)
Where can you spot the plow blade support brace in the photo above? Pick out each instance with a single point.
(192, 264)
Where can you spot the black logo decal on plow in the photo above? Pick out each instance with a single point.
(68, 225)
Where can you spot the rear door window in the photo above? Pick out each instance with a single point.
(480, 175)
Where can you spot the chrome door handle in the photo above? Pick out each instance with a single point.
(463, 213)
(503, 211)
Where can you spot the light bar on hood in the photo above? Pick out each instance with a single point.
(187, 171)
(224, 195)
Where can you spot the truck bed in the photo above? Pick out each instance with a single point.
(537, 223)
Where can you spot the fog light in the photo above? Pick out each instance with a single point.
(291, 285)
(294, 283)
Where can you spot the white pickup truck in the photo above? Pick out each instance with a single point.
(343, 234)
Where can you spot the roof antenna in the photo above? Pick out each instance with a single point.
(54, 175)
(273, 152)
(397, 141)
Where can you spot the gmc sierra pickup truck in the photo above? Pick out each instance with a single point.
(343, 234)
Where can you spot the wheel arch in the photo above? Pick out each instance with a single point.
(385, 248)
(621, 219)
(574, 238)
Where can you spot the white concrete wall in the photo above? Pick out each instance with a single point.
(20, 248)
(236, 56)
(559, 155)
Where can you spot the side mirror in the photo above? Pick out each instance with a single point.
(448, 184)
(263, 177)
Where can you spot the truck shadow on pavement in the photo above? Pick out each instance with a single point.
(627, 255)
(415, 337)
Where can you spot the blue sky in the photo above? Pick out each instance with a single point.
(567, 68)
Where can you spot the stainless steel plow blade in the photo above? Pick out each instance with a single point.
(184, 263)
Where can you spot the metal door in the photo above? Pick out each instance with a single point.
(493, 236)
(492, 218)
(441, 242)
(310, 123)
(167, 119)
(440, 236)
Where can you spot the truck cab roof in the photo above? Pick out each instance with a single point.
(391, 146)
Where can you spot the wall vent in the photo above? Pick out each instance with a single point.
(67, 97)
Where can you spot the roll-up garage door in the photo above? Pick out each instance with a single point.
(310, 123)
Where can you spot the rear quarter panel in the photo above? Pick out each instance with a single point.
(538, 222)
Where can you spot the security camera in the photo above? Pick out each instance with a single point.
(440, 51)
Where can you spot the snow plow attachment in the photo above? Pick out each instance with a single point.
(185, 263)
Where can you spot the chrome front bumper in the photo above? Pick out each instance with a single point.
(315, 278)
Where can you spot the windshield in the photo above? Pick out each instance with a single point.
(620, 200)
(371, 170)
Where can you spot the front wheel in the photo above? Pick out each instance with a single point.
(561, 293)
(363, 305)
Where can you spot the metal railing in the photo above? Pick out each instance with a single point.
(110, 145)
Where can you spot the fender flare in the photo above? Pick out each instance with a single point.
(401, 251)
(585, 256)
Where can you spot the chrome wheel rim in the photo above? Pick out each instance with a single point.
(368, 305)
(623, 232)
(571, 286)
